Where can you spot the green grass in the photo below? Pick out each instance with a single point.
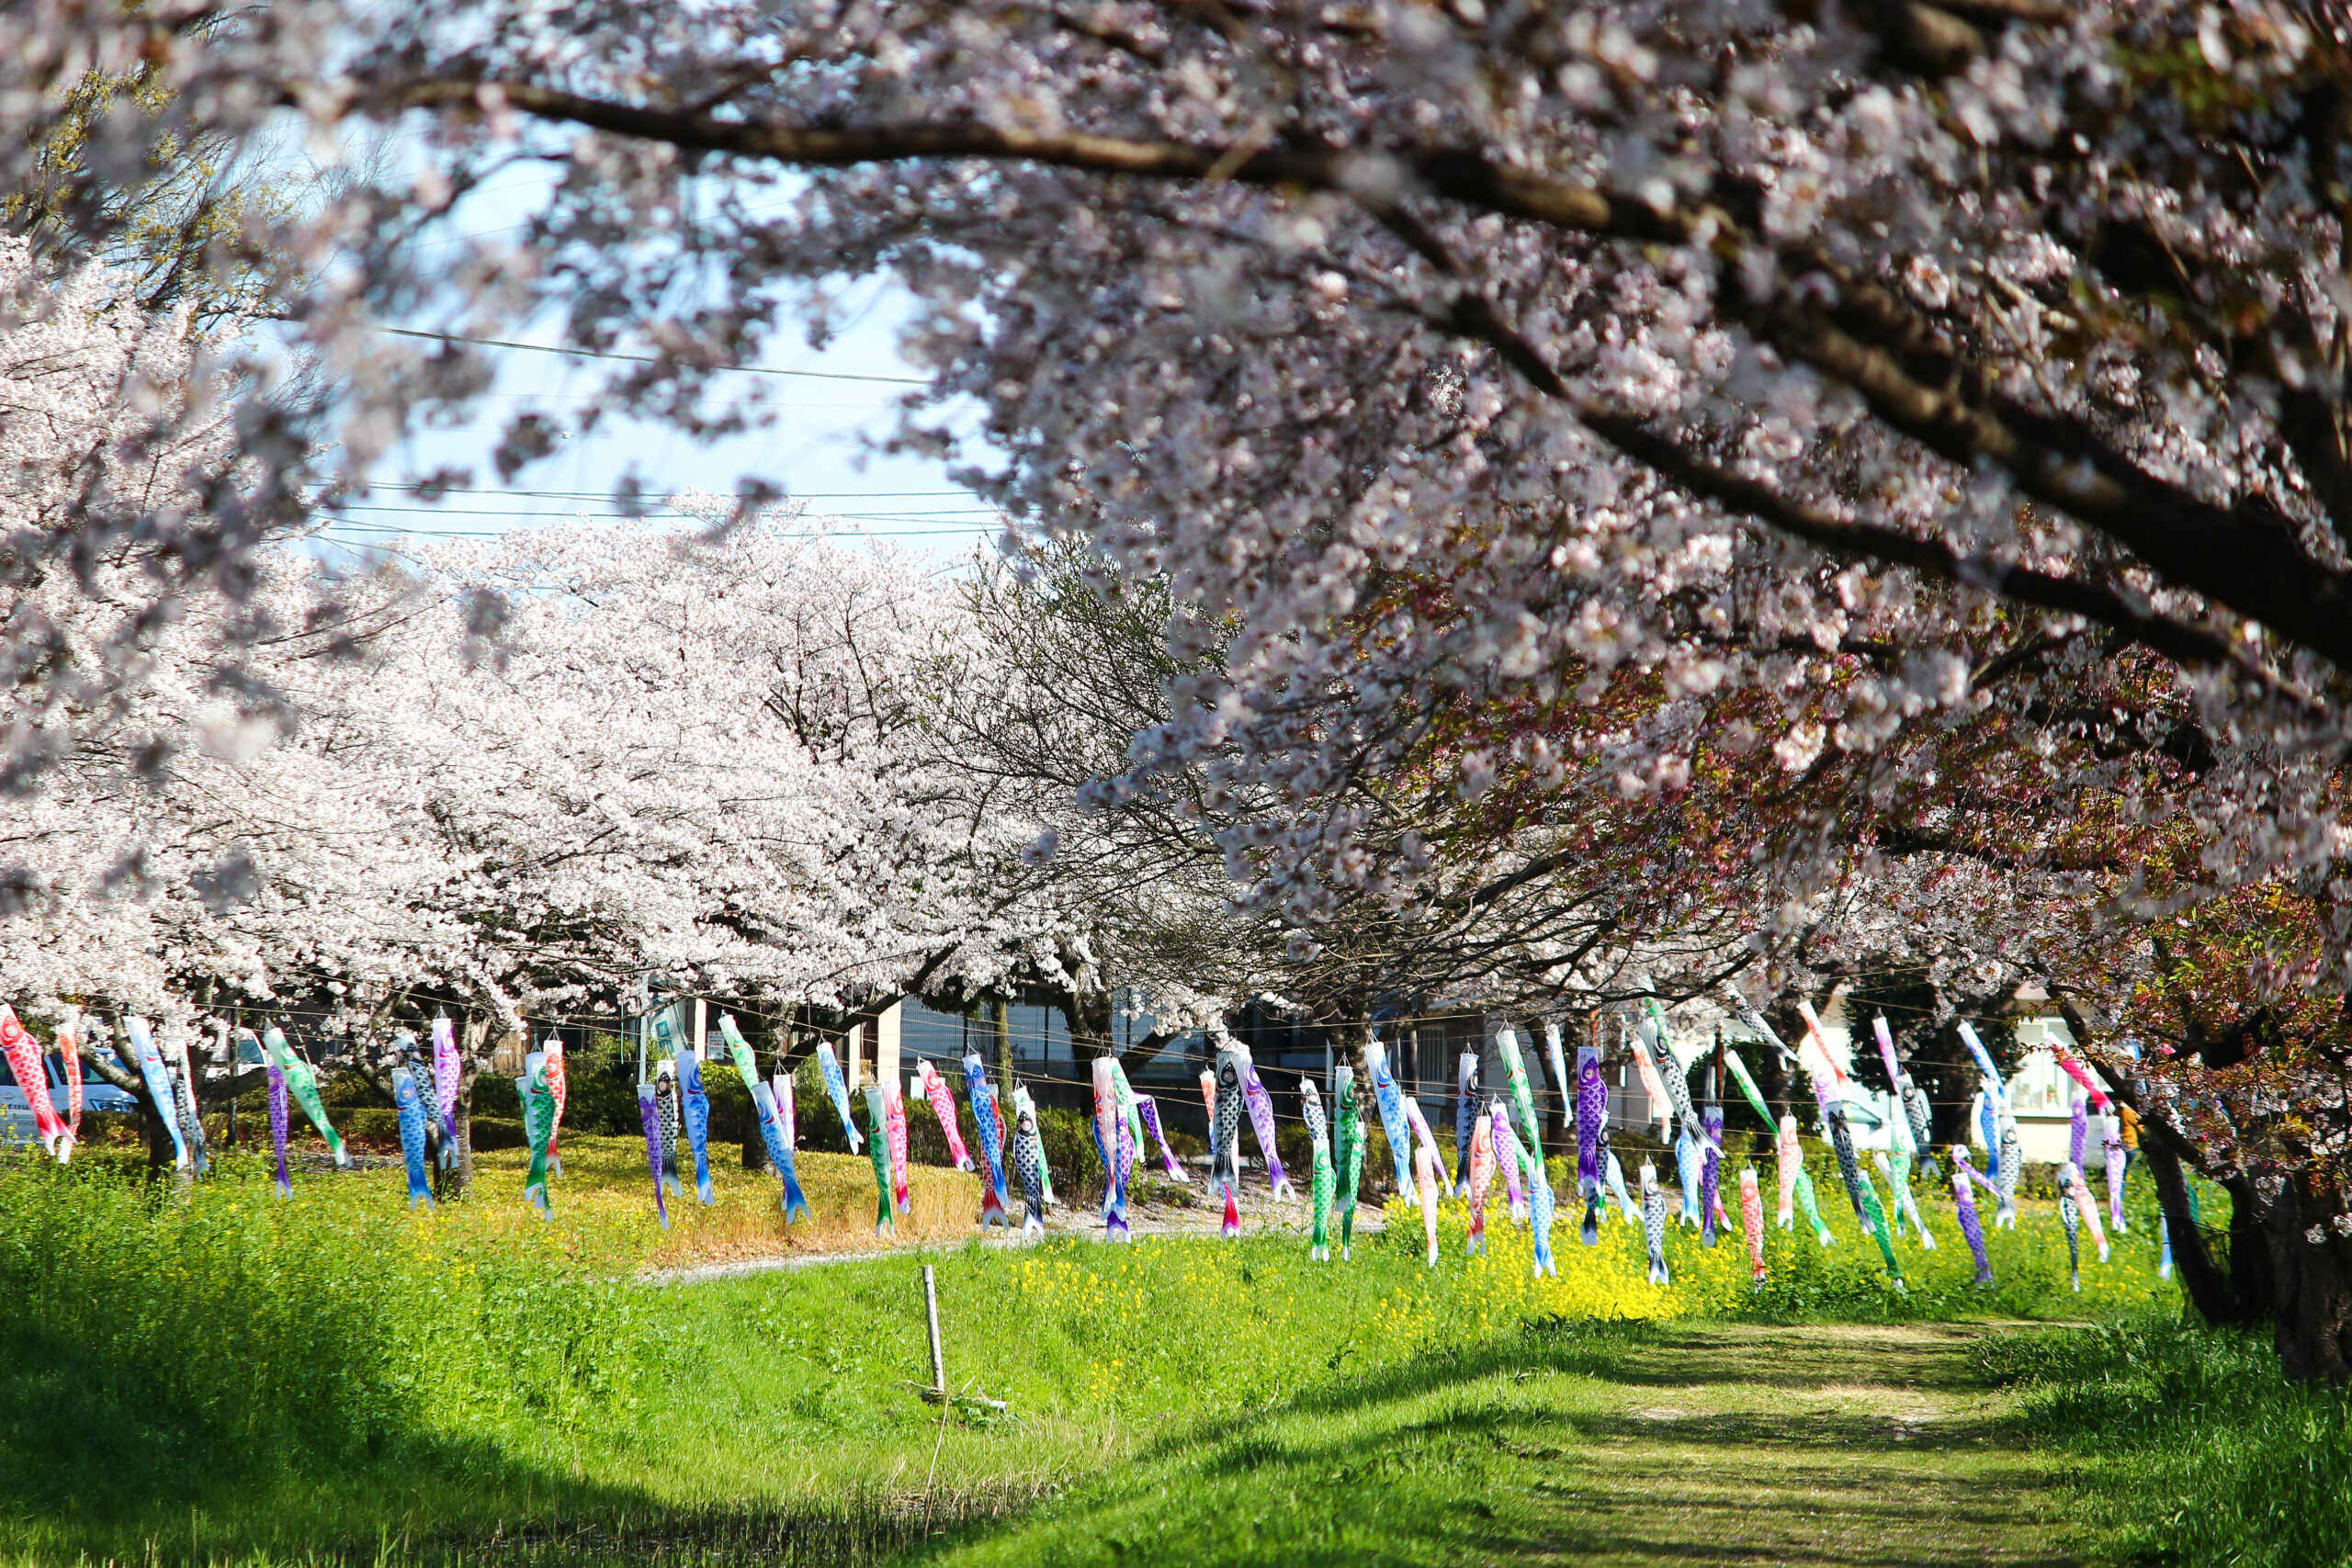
(221, 1375)
(2185, 1444)
(1597, 1443)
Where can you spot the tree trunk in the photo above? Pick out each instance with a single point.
(2312, 1281)
(1003, 1026)
(2211, 1288)
(1348, 1037)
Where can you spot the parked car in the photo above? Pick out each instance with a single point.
(100, 1098)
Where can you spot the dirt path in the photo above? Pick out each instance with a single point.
(1824, 1445)
(1599, 1447)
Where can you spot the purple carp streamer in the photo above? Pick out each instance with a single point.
(1326, 1178)
(449, 1072)
(650, 1114)
(1261, 1120)
(2078, 1129)
(1592, 1120)
(991, 1132)
(1710, 1174)
(1348, 1155)
(1029, 1160)
(2110, 1143)
(1751, 1222)
(1506, 1159)
(1465, 1111)
(878, 1148)
(1148, 1109)
(1425, 1183)
(1482, 1176)
(1964, 1203)
(278, 1129)
(408, 1104)
(1653, 1222)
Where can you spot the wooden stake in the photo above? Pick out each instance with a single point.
(938, 1390)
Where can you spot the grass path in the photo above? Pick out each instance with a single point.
(1870, 1447)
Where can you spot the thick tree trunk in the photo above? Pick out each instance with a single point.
(2310, 1272)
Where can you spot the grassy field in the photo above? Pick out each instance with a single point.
(224, 1376)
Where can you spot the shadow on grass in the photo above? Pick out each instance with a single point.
(1478, 1455)
(103, 1464)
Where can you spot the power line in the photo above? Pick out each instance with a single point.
(645, 358)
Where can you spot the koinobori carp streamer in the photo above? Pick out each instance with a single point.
(1325, 1179)
(990, 1130)
(32, 1077)
(408, 1105)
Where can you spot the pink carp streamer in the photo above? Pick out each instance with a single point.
(932, 1085)
(1652, 1084)
(33, 1077)
(2071, 1177)
(2076, 1070)
(894, 1130)
(1481, 1175)
(1751, 1222)
(1425, 1182)
(560, 1090)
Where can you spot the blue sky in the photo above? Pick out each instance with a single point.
(827, 417)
